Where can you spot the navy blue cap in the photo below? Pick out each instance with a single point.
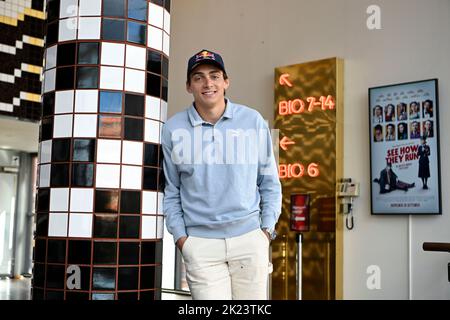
(205, 57)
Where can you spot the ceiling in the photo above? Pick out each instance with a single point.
(19, 135)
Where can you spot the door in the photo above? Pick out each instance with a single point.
(8, 195)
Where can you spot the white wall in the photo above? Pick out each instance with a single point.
(255, 36)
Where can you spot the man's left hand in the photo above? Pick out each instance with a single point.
(267, 234)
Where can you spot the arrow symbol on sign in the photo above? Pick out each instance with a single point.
(285, 142)
(284, 80)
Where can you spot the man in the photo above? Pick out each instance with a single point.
(221, 211)
(389, 181)
(378, 133)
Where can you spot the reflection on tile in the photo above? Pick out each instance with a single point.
(110, 101)
(57, 224)
(107, 201)
(68, 8)
(129, 227)
(88, 52)
(105, 252)
(103, 296)
(87, 78)
(80, 225)
(114, 8)
(129, 253)
(79, 252)
(90, 8)
(104, 279)
(82, 174)
(83, 150)
(50, 57)
(110, 127)
(107, 176)
(136, 32)
(67, 29)
(113, 29)
(137, 9)
(49, 80)
(105, 226)
(130, 202)
(81, 200)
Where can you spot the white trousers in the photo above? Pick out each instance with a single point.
(223, 269)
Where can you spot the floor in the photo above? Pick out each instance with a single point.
(11, 289)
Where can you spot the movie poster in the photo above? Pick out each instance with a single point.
(404, 146)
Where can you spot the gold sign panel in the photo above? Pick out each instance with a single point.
(309, 115)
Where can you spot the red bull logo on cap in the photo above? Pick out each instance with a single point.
(204, 55)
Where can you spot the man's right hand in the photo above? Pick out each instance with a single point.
(180, 242)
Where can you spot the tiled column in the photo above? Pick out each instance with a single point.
(99, 204)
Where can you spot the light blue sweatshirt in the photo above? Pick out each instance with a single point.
(221, 179)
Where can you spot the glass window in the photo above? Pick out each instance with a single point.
(151, 154)
(165, 67)
(136, 32)
(56, 251)
(129, 227)
(105, 252)
(150, 178)
(52, 33)
(79, 252)
(52, 10)
(48, 104)
(113, 29)
(114, 8)
(110, 127)
(129, 253)
(154, 61)
(65, 54)
(60, 175)
(147, 277)
(153, 85)
(134, 105)
(137, 9)
(134, 129)
(164, 90)
(60, 150)
(43, 200)
(88, 53)
(87, 77)
(42, 224)
(105, 226)
(107, 201)
(65, 78)
(55, 277)
(111, 101)
(130, 202)
(128, 278)
(46, 129)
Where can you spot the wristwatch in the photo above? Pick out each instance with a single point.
(272, 233)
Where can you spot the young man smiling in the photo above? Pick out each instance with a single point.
(221, 212)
